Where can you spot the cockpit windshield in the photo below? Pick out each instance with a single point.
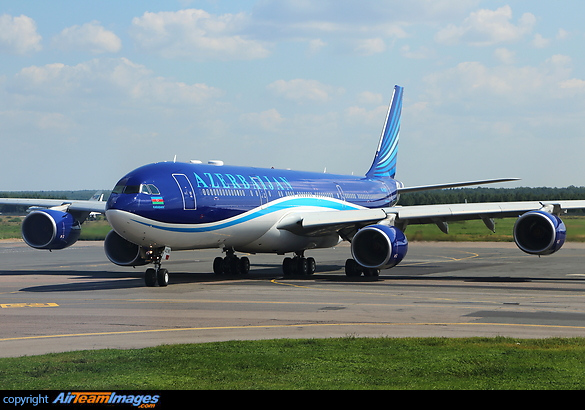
(122, 188)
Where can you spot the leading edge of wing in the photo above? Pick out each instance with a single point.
(72, 205)
(323, 222)
(403, 190)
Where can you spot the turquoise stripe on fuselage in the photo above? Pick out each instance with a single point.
(255, 214)
(201, 194)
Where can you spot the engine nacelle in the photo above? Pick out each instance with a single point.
(50, 229)
(379, 246)
(122, 252)
(539, 233)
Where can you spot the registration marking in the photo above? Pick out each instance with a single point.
(21, 305)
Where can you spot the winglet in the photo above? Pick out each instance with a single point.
(384, 164)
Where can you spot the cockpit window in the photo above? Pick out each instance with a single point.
(149, 189)
(153, 189)
(122, 188)
(132, 189)
(119, 188)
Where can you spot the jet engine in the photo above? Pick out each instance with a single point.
(122, 252)
(539, 233)
(50, 229)
(379, 246)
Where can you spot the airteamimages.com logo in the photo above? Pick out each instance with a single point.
(77, 398)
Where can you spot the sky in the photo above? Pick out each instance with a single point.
(91, 90)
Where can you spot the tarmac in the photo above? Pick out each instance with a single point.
(75, 299)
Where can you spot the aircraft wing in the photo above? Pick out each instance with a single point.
(403, 190)
(69, 204)
(346, 222)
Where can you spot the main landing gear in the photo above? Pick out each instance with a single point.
(299, 265)
(157, 275)
(231, 264)
(354, 269)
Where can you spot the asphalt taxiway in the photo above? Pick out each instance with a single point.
(75, 299)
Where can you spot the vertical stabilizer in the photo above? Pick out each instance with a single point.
(384, 164)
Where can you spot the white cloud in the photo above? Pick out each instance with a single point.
(370, 46)
(359, 115)
(368, 97)
(562, 34)
(196, 34)
(505, 55)
(301, 90)
(18, 35)
(268, 120)
(90, 37)
(474, 85)
(487, 27)
(420, 54)
(316, 45)
(540, 42)
(115, 80)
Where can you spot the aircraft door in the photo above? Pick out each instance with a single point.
(261, 189)
(340, 194)
(186, 188)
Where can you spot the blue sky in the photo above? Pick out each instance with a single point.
(92, 90)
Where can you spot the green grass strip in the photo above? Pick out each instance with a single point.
(303, 364)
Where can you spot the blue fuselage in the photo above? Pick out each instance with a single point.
(189, 193)
(196, 206)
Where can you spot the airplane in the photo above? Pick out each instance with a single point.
(172, 206)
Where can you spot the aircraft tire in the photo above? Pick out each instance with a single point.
(311, 266)
(243, 266)
(162, 277)
(287, 266)
(218, 265)
(352, 268)
(150, 277)
(302, 266)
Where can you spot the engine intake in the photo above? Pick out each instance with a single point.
(539, 233)
(122, 252)
(50, 229)
(379, 246)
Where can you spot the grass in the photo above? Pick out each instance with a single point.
(476, 231)
(465, 231)
(308, 364)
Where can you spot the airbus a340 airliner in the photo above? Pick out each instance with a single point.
(180, 206)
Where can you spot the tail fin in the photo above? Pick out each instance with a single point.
(384, 164)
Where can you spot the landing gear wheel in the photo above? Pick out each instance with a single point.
(218, 266)
(311, 266)
(302, 266)
(287, 267)
(352, 268)
(244, 266)
(231, 265)
(156, 275)
(299, 265)
(162, 277)
(150, 277)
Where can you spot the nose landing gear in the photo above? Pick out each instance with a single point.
(157, 275)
